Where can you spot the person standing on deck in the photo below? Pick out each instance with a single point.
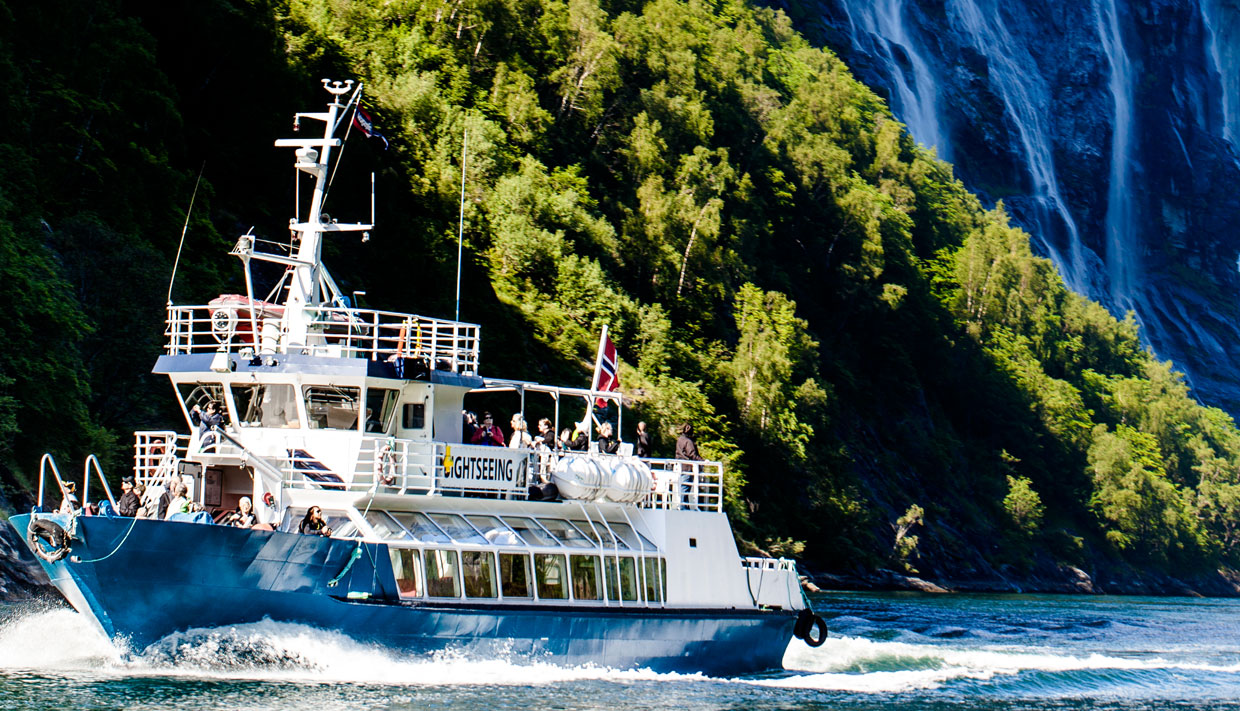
(128, 504)
(641, 448)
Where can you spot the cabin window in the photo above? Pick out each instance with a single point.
(599, 534)
(413, 416)
(628, 580)
(634, 539)
(514, 575)
(495, 532)
(478, 569)
(266, 406)
(552, 576)
(329, 407)
(456, 527)
(385, 527)
(407, 568)
(533, 534)
(442, 574)
(585, 570)
(565, 532)
(656, 583)
(380, 405)
(421, 527)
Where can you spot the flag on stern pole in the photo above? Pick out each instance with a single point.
(606, 369)
(365, 124)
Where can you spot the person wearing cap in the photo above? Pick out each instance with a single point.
(129, 502)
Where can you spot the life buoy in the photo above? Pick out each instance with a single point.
(808, 622)
(51, 532)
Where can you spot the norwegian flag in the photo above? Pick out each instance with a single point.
(606, 369)
(366, 125)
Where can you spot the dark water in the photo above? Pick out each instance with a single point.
(890, 651)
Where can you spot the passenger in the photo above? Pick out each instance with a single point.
(161, 509)
(580, 441)
(313, 524)
(546, 435)
(69, 504)
(244, 516)
(206, 421)
(469, 426)
(606, 444)
(565, 438)
(129, 503)
(686, 448)
(147, 506)
(642, 447)
(520, 433)
(489, 433)
(180, 500)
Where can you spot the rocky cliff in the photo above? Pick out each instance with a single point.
(1107, 127)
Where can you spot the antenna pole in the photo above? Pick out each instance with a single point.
(189, 211)
(460, 235)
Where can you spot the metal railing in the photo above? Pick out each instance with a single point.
(756, 563)
(155, 455)
(332, 332)
(685, 485)
(93, 462)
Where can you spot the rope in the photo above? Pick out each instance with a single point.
(357, 553)
(118, 545)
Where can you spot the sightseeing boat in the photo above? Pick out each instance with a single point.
(435, 543)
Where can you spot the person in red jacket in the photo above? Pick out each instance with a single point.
(488, 432)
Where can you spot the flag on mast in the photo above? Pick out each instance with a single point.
(606, 369)
(363, 122)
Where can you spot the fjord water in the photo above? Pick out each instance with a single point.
(903, 651)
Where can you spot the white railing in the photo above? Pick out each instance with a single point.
(332, 332)
(683, 484)
(756, 563)
(155, 455)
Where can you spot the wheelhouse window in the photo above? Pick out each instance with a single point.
(407, 567)
(266, 406)
(443, 575)
(478, 568)
(585, 569)
(552, 576)
(380, 407)
(200, 394)
(329, 407)
(514, 575)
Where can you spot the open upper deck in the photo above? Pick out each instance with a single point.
(229, 325)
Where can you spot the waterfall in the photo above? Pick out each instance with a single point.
(1120, 261)
(879, 29)
(1222, 19)
(1013, 76)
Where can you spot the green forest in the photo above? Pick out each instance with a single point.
(894, 379)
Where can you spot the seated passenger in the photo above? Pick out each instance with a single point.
(129, 503)
(147, 505)
(313, 524)
(606, 444)
(244, 516)
(180, 500)
(488, 432)
(520, 434)
(546, 435)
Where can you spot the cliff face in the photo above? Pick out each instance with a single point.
(1108, 128)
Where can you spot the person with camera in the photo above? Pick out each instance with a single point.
(488, 433)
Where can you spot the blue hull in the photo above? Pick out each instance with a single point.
(143, 580)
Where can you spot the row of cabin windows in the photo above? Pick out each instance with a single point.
(328, 407)
(555, 576)
(506, 530)
(485, 529)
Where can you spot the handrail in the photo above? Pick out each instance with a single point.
(92, 459)
(47, 459)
